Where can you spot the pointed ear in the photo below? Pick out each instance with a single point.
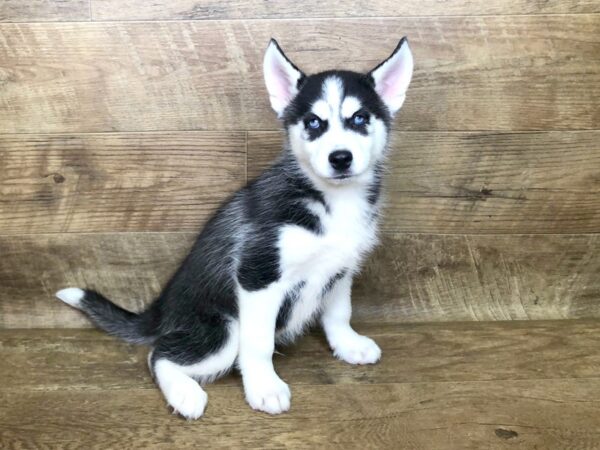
(393, 75)
(281, 77)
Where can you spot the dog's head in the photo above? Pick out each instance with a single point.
(338, 121)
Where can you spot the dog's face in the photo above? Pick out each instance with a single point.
(338, 121)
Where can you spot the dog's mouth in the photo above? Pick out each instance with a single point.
(341, 177)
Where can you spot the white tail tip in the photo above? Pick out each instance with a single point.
(71, 296)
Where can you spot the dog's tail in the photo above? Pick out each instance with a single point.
(106, 315)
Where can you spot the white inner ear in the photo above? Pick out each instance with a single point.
(393, 77)
(281, 78)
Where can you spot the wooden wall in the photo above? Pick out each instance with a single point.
(124, 123)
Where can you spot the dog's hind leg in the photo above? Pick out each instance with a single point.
(182, 359)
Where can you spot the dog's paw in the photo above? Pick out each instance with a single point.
(268, 393)
(187, 398)
(357, 349)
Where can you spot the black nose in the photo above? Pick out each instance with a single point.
(340, 159)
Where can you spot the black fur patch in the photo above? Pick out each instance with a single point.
(362, 129)
(331, 283)
(287, 306)
(259, 265)
(190, 345)
(116, 320)
(315, 133)
(279, 197)
(374, 189)
(355, 84)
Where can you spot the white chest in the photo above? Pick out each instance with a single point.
(348, 233)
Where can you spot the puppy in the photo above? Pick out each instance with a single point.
(282, 251)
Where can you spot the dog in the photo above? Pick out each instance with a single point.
(281, 253)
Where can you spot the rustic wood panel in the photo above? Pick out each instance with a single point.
(451, 278)
(438, 182)
(481, 182)
(456, 411)
(532, 414)
(116, 182)
(131, 267)
(44, 10)
(410, 278)
(247, 9)
(412, 353)
(471, 74)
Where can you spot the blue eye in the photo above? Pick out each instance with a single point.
(358, 119)
(314, 124)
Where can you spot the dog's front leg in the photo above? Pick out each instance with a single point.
(346, 343)
(264, 390)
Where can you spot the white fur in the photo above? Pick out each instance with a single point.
(305, 308)
(346, 343)
(178, 382)
(322, 109)
(349, 106)
(71, 296)
(258, 310)
(218, 363)
(313, 156)
(181, 392)
(348, 233)
(333, 92)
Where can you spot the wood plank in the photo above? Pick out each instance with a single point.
(543, 182)
(44, 10)
(438, 182)
(72, 397)
(472, 73)
(416, 278)
(131, 267)
(369, 412)
(410, 278)
(116, 182)
(246, 9)
(412, 353)
(515, 414)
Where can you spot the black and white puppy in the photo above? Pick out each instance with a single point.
(282, 251)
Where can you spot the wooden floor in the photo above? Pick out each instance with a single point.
(478, 385)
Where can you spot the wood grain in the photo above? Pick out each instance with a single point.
(246, 9)
(500, 415)
(451, 278)
(44, 10)
(471, 73)
(437, 182)
(116, 182)
(130, 267)
(410, 278)
(355, 408)
(481, 182)
(412, 353)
